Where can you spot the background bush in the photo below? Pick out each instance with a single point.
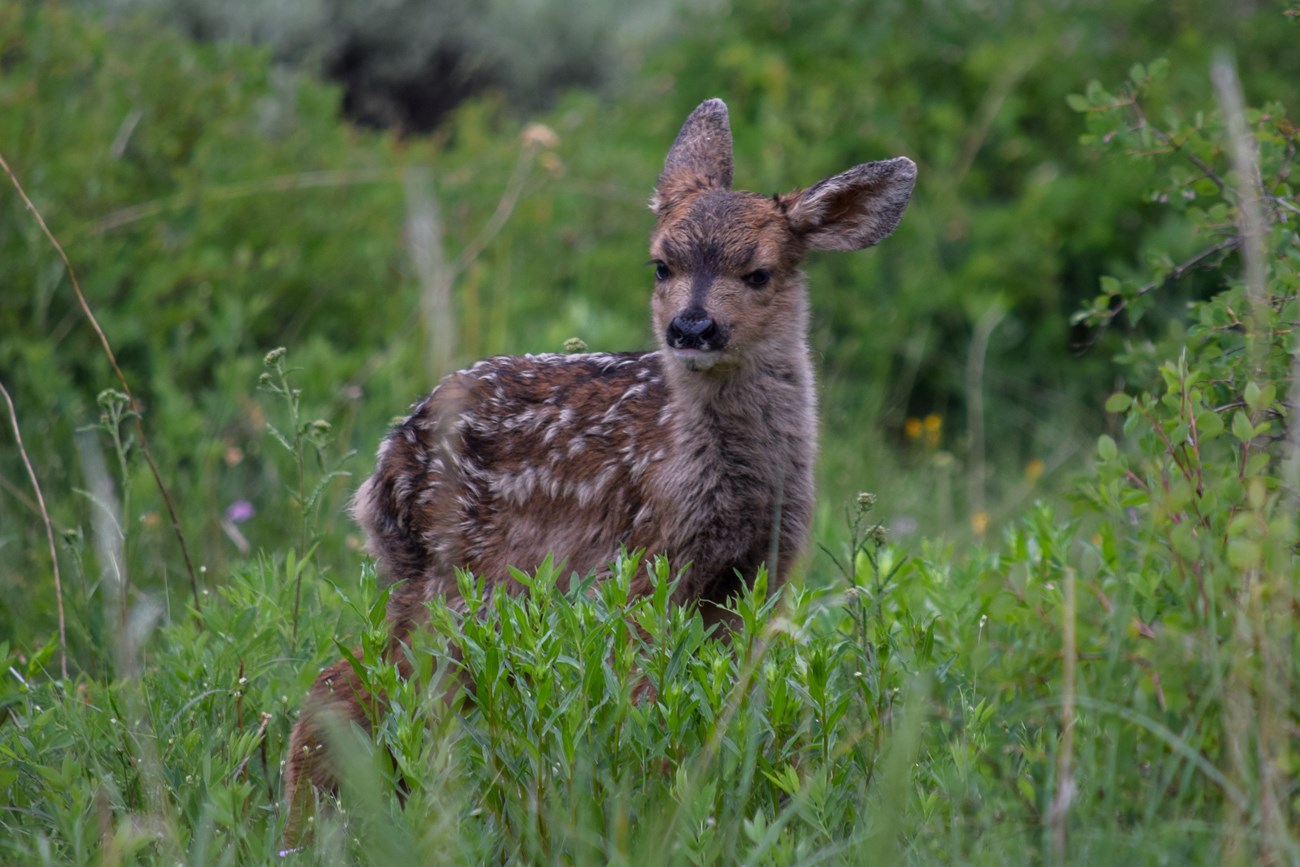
(406, 64)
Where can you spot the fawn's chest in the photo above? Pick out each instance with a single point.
(731, 477)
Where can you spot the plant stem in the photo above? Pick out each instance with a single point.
(49, 533)
(126, 389)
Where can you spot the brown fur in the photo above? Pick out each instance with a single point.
(694, 451)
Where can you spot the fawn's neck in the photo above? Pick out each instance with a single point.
(760, 418)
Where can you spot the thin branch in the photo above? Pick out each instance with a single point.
(1177, 147)
(505, 207)
(976, 359)
(49, 533)
(277, 184)
(126, 389)
(1252, 223)
(17, 493)
(1066, 788)
(1183, 267)
(994, 99)
(1175, 273)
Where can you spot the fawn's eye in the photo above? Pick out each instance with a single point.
(758, 279)
(662, 271)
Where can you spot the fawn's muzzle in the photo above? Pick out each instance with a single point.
(695, 329)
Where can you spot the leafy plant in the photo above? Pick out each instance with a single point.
(302, 435)
(1201, 529)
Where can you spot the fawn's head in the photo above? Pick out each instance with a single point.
(727, 284)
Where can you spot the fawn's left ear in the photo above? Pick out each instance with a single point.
(854, 209)
(700, 157)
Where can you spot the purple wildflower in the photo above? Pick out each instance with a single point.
(240, 511)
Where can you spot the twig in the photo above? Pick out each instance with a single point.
(975, 362)
(1175, 273)
(1177, 147)
(1186, 265)
(505, 207)
(49, 533)
(277, 184)
(1251, 222)
(447, 276)
(17, 493)
(424, 241)
(1257, 739)
(126, 389)
(993, 101)
(1065, 785)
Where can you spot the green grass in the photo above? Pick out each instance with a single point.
(909, 709)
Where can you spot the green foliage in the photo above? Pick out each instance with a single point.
(215, 208)
(1010, 229)
(1110, 680)
(1198, 536)
(914, 709)
(212, 214)
(593, 727)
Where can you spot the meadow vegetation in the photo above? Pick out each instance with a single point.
(1061, 627)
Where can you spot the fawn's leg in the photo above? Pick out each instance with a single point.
(335, 700)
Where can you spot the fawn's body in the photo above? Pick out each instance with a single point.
(702, 451)
(582, 455)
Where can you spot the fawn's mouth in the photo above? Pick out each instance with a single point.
(698, 360)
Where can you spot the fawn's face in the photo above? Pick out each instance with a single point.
(727, 285)
(726, 278)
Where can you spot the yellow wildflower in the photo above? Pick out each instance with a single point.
(1033, 470)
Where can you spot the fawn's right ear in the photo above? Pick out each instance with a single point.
(700, 158)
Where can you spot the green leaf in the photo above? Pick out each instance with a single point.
(1208, 425)
(1252, 395)
(1232, 491)
(1077, 101)
(1268, 393)
(1026, 789)
(1243, 554)
(1118, 402)
(1106, 448)
(1242, 429)
(1257, 464)
(1183, 539)
(279, 437)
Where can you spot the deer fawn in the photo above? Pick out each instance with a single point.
(702, 450)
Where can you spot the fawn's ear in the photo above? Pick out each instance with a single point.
(853, 209)
(700, 158)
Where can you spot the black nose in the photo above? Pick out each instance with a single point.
(693, 329)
